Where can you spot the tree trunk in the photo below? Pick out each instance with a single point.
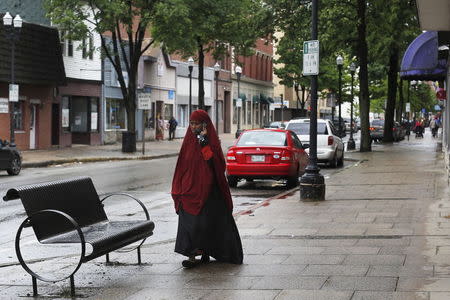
(392, 93)
(364, 102)
(201, 86)
(400, 107)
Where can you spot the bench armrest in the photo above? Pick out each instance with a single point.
(27, 222)
(128, 195)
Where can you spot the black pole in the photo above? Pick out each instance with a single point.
(340, 98)
(190, 90)
(282, 106)
(312, 183)
(13, 79)
(217, 101)
(408, 130)
(351, 142)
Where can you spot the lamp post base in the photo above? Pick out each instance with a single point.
(312, 186)
(351, 144)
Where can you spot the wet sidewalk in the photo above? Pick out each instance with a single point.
(382, 233)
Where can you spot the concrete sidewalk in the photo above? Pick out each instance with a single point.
(381, 233)
(87, 153)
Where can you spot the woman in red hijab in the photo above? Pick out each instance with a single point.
(202, 198)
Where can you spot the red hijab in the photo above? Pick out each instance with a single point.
(194, 177)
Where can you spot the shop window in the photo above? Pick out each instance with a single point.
(79, 114)
(94, 114)
(116, 116)
(65, 113)
(17, 109)
(182, 115)
(249, 112)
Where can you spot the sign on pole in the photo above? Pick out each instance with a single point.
(311, 57)
(239, 102)
(408, 107)
(13, 92)
(144, 100)
(4, 106)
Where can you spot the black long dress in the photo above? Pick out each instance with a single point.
(213, 231)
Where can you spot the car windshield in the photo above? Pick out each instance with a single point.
(303, 128)
(262, 138)
(378, 123)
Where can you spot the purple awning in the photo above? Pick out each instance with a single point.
(420, 61)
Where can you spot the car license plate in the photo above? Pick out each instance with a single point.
(258, 158)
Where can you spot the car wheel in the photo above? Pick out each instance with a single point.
(334, 162)
(341, 160)
(16, 166)
(232, 181)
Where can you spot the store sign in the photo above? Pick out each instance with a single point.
(4, 106)
(144, 100)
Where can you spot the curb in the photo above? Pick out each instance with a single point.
(43, 164)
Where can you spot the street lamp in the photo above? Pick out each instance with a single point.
(190, 67)
(13, 26)
(312, 183)
(351, 142)
(238, 71)
(216, 73)
(339, 63)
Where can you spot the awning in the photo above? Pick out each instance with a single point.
(243, 96)
(255, 99)
(264, 99)
(420, 61)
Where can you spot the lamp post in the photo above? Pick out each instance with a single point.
(216, 73)
(13, 26)
(312, 183)
(339, 63)
(351, 142)
(413, 84)
(238, 71)
(190, 67)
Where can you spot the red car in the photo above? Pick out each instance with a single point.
(266, 154)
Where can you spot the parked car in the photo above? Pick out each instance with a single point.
(266, 154)
(330, 148)
(277, 124)
(10, 158)
(377, 130)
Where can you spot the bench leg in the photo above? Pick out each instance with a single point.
(139, 255)
(72, 286)
(35, 293)
(107, 258)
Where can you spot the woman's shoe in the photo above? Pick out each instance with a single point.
(190, 263)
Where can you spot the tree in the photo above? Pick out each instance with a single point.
(196, 27)
(126, 21)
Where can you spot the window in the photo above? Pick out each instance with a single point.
(91, 46)
(168, 111)
(296, 141)
(62, 41)
(115, 114)
(262, 138)
(17, 109)
(182, 115)
(69, 48)
(65, 113)
(83, 49)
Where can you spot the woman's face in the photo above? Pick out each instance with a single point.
(196, 126)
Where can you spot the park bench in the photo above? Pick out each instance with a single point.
(70, 211)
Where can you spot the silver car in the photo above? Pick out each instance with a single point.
(330, 148)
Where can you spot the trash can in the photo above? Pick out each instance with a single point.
(128, 141)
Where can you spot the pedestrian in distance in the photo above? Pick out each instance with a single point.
(433, 127)
(202, 198)
(172, 127)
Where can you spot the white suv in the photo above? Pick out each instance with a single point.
(330, 147)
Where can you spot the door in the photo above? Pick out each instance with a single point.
(32, 126)
(227, 113)
(55, 124)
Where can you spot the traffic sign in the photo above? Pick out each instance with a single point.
(239, 102)
(144, 100)
(13, 92)
(4, 106)
(408, 107)
(311, 57)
